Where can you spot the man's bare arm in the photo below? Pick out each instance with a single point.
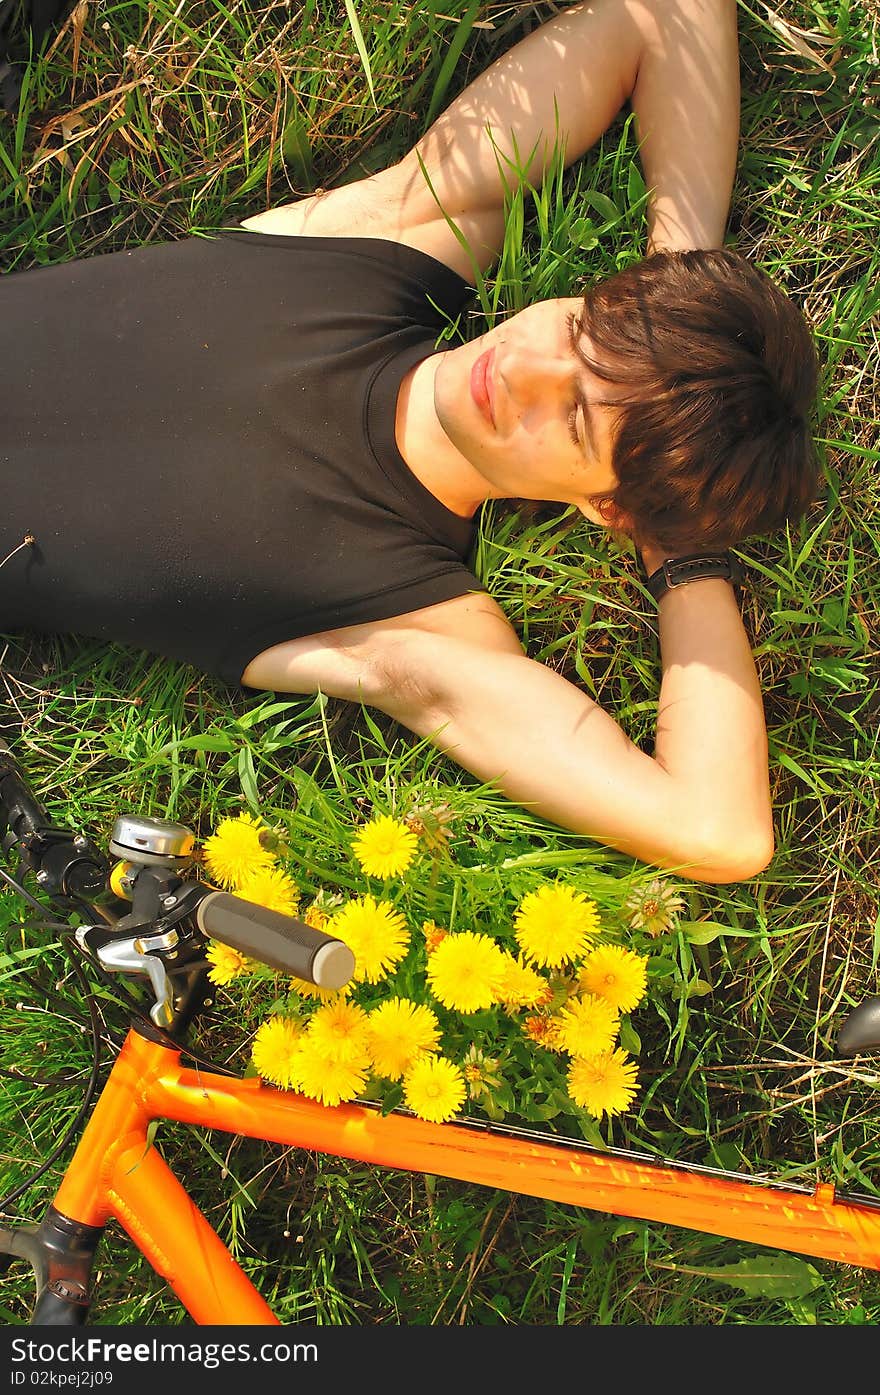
(700, 804)
(675, 61)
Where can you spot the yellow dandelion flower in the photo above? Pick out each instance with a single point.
(603, 1084)
(398, 1033)
(654, 907)
(434, 935)
(587, 1025)
(328, 1080)
(522, 986)
(275, 1050)
(434, 1089)
(375, 933)
(234, 849)
(227, 963)
(555, 924)
(271, 887)
(464, 972)
(338, 1030)
(385, 847)
(615, 974)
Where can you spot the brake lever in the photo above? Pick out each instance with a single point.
(141, 955)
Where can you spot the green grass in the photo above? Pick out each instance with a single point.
(151, 123)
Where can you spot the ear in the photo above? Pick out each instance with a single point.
(606, 513)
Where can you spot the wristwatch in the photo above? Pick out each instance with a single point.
(677, 571)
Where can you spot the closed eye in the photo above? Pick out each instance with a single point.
(580, 399)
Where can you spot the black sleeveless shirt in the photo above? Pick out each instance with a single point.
(200, 438)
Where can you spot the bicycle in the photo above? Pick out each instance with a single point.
(147, 915)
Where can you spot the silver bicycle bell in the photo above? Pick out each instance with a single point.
(150, 842)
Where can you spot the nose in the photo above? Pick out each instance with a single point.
(532, 375)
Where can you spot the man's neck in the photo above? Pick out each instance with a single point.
(426, 448)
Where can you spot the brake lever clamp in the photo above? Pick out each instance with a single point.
(161, 901)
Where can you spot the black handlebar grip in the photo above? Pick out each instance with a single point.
(275, 939)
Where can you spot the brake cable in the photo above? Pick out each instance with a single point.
(126, 1000)
(85, 1106)
(43, 840)
(25, 894)
(122, 997)
(117, 991)
(120, 992)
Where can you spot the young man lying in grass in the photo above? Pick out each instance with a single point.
(253, 458)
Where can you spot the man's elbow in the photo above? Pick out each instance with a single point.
(737, 856)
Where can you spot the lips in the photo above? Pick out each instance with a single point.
(481, 388)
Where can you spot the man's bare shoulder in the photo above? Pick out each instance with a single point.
(394, 204)
(359, 662)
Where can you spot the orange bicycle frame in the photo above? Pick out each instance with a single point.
(117, 1173)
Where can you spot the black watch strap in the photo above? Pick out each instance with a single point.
(677, 571)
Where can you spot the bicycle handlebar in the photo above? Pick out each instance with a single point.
(281, 941)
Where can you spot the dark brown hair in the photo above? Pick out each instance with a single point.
(715, 378)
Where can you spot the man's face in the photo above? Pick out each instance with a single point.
(523, 409)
